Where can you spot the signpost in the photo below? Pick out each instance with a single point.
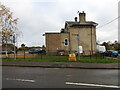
(79, 49)
(78, 38)
(14, 46)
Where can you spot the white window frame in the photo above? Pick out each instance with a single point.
(67, 41)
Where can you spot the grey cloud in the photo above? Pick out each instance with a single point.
(38, 19)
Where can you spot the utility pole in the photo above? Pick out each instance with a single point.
(0, 30)
(78, 39)
(14, 47)
(91, 42)
(6, 47)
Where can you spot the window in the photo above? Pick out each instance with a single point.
(66, 42)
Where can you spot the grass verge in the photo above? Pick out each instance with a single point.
(43, 58)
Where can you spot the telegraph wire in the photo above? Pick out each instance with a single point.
(108, 22)
(116, 4)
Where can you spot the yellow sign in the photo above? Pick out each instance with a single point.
(72, 57)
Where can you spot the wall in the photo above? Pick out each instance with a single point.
(63, 47)
(53, 41)
(85, 38)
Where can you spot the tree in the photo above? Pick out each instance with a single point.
(43, 46)
(23, 45)
(8, 25)
(106, 45)
(98, 42)
(116, 45)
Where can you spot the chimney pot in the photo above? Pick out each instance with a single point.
(75, 19)
(82, 17)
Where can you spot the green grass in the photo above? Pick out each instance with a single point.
(65, 59)
(98, 60)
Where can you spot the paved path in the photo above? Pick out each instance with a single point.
(61, 64)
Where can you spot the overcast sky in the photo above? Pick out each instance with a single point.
(39, 16)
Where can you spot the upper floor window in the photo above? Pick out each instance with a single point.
(66, 42)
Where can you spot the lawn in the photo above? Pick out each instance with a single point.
(44, 58)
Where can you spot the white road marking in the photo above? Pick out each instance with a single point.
(95, 85)
(22, 80)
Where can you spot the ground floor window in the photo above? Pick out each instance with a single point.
(66, 42)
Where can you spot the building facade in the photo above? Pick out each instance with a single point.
(75, 33)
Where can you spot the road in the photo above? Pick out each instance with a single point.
(35, 77)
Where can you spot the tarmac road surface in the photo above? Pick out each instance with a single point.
(36, 77)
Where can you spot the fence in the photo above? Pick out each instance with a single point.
(52, 55)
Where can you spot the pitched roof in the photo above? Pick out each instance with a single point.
(73, 23)
(52, 33)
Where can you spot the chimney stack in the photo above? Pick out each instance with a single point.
(75, 19)
(82, 17)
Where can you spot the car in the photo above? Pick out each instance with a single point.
(6, 51)
(12, 52)
(61, 52)
(2, 51)
(111, 53)
(36, 51)
(101, 49)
